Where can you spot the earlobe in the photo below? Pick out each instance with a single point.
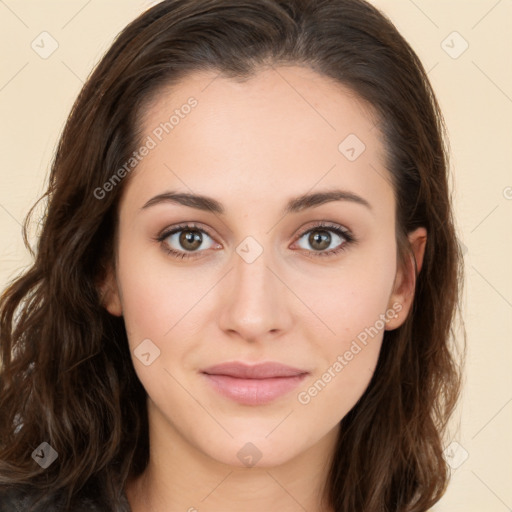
(109, 295)
(405, 279)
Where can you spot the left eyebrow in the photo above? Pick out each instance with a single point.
(305, 201)
(294, 205)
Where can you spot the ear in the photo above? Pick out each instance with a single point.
(405, 279)
(109, 293)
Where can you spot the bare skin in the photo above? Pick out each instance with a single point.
(253, 146)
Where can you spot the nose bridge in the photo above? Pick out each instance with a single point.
(256, 302)
(251, 268)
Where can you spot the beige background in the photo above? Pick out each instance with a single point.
(475, 92)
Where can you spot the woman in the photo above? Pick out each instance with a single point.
(246, 279)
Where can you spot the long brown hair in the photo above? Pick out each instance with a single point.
(66, 375)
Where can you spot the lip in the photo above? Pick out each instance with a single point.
(253, 384)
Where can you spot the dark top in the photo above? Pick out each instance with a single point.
(22, 501)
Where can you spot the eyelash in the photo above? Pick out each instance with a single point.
(342, 232)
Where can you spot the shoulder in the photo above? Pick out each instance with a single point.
(12, 501)
(17, 500)
(25, 500)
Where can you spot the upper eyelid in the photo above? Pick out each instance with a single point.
(327, 225)
(182, 227)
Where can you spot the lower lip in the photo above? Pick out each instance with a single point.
(254, 391)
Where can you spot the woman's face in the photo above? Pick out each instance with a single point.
(260, 281)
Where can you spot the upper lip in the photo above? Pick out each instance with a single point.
(258, 371)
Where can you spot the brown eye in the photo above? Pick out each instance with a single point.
(320, 238)
(184, 240)
(190, 240)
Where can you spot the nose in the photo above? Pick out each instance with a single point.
(255, 299)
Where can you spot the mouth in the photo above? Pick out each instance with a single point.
(253, 385)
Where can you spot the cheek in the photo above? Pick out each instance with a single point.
(353, 307)
(356, 315)
(155, 296)
(350, 299)
(329, 396)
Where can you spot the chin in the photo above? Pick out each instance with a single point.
(256, 451)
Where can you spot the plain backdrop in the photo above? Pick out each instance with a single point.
(466, 48)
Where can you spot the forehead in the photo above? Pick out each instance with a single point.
(310, 106)
(285, 129)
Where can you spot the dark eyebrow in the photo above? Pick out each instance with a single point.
(305, 201)
(294, 205)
